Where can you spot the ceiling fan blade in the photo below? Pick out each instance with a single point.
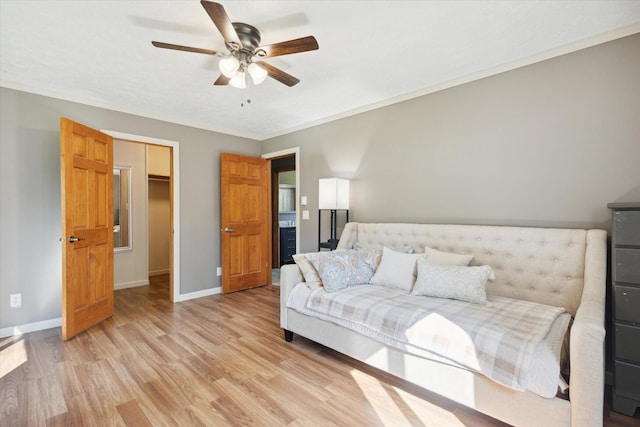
(303, 44)
(185, 48)
(222, 80)
(279, 75)
(221, 20)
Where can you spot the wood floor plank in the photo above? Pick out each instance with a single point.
(121, 386)
(194, 388)
(235, 366)
(240, 399)
(231, 411)
(214, 361)
(49, 394)
(137, 367)
(200, 366)
(260, 389)
(201, 414)
(132, 415)
(291, 386)
(9, 400)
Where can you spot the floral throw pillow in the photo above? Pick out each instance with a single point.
(371, 254)
(342, 269)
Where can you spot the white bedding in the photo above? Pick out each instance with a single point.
(542, 373)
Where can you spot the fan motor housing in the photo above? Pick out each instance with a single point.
(249, 37)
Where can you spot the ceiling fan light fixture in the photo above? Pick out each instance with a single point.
(257, 73)
(238, 80)
(229, 66)
(243, 44)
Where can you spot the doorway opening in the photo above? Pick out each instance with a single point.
(285, 207)
(167, 177)
(159, 216)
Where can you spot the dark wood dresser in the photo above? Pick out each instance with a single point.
(287, 245)
(625, 280)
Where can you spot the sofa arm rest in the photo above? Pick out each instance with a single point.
(587, 337)
(290, 275)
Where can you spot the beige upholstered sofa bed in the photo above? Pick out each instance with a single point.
(557, 267)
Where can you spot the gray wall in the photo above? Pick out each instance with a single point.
(30, 254)
(549, 144)
(131, 267)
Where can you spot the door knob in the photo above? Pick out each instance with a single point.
(75, 239)
(229, 230)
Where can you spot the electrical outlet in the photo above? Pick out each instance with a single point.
(15, 300)
(219, 271)
(305, 214)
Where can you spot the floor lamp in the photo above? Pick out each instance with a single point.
(333, 195)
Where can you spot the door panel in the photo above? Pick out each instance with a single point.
(235, 203)
(87, 205)
(254, 253)
(245, 213)
(236, 249)
(100, 203)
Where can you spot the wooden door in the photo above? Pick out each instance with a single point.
(86, 161)
(245, 222)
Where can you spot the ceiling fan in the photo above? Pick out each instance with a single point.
(243, 42)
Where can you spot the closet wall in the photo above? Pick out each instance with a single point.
(159, 209)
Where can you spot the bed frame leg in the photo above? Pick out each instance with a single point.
(288, 335)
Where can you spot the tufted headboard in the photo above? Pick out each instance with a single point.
(544, 265)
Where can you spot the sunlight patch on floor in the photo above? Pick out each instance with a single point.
(391, 415)
(381, 402)
(12, 356)
(428, 413)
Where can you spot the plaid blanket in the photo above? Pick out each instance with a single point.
(497, 339)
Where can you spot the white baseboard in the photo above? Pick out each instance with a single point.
(30, 327)
(159, 272)
(198, 294)
(126, 285)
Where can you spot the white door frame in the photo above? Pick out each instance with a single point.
(175, 179)
(287, 152)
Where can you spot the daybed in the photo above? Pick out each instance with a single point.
(555, 267)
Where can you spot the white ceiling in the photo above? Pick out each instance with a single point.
(372, 53)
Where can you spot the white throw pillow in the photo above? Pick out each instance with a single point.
(438, 257)
(396, 270)
(452, 281)
(311, 277)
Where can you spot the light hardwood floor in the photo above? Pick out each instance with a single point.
(214, 361)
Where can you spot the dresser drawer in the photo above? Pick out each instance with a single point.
(627, 340)
(288, 232)
(627, 380)
(626, 227)
(627, 301)
(627, 268)
(287, 244)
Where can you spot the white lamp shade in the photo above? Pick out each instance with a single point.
(238, 80)
(333, 193)
(257, 73)
(228, 66)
